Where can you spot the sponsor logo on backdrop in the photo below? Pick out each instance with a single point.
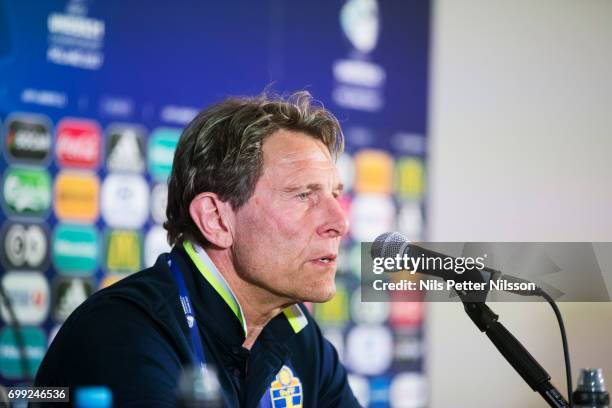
(336, 338)
(410, 176)
(159, 202)
(116, 106)
(10, 358)
(379, 391)
(68, 294)
(125, 200)
(74, 39)
(156, 243)
(29, 295)
(123, 251)
(368, 312)
(409, 143)
(28, 138)
(360, 23)
(343, 260)
(406, 314)
(76, 197)
(371, 215)
(410, 220)
(162, 144)
(75, 249)
(355, 260)
(408, 347)
(335, 312)
(78, 144)
(408, 390)
(44, 97)
(361, 389)
(181, 115)
(361, 137)
(25, 246)
(374, 172)
(359, 81)
(369, 349)
(346, 171)
(27, 192)
(125, 148)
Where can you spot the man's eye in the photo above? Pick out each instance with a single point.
(303, 196)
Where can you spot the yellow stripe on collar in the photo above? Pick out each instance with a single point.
(221, 288)
(294, 314)
(296, 318)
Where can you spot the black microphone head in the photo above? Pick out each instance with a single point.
(388, 245)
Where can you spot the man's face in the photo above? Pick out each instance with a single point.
(287, 235)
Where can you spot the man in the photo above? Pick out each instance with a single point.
(255, 221)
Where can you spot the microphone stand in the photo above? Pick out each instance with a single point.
(486, 321)
(523, 362)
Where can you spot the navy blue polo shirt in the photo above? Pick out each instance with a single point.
(133, 337)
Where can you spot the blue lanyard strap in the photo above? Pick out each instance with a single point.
(196, 340)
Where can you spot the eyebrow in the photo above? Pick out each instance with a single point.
(313, 187)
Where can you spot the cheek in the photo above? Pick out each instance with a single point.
(257, 230)
(280, 220)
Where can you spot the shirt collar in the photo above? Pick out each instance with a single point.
(294, 314)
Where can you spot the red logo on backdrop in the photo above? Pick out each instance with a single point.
(38, 298)
(406, 314)
(78, 143)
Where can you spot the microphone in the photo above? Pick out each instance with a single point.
(396, 246)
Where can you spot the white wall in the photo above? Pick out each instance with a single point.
(521, 150)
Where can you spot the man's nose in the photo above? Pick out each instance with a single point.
(336, 222)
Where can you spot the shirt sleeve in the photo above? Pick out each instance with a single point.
(118, 345)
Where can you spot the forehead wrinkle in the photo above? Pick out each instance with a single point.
(285, 156)
(297, 156)
(297, 163)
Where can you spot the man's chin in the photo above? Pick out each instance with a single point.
(321, 295)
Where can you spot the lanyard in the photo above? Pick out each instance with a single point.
(196, 340)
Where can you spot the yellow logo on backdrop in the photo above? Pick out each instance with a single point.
(335, 311)
(76, 197)
(410, 177)
(374, 172)
(124, 253)
(286, 390)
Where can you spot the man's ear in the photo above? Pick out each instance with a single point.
(213, 218)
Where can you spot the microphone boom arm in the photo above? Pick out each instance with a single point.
(514, 352)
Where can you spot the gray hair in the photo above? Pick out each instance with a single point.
(220, 151)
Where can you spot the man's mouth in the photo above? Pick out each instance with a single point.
(327, 259)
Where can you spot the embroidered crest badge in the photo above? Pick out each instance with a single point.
(286, 390)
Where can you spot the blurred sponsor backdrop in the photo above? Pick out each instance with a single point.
(93, 97)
